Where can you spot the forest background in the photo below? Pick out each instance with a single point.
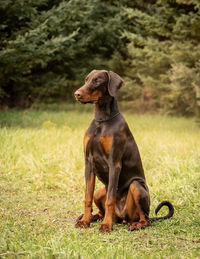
(47, 47)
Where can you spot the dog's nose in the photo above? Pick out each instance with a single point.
(78, 94)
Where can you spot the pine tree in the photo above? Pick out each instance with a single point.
(48, 46)
(164, 37)
(46, 51)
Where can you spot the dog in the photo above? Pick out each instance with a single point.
(112, 155)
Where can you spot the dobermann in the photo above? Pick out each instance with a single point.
(112, 155)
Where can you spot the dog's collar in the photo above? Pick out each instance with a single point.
(109, 118)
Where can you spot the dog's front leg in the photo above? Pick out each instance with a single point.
(84, 221)
(114, 172)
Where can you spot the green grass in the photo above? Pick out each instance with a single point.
(42, 188)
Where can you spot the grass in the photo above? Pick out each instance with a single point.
(42, 188)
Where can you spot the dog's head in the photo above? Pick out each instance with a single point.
(99, 83)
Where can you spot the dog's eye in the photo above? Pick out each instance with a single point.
(96, 80)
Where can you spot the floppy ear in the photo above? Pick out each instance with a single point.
(115, 83)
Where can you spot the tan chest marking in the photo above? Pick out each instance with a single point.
(107, 143)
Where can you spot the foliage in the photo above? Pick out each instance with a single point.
(48, 46)
(46, 53)
(183, 83)
(164, 36)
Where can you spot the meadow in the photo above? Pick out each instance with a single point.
(42, 187)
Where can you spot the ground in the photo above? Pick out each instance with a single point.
(42, 187)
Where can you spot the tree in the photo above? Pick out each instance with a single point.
(48, 46)
(48, 49)
(164, 42)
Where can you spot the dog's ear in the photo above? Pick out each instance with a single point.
(115, 83)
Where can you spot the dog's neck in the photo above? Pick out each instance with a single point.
(106, 109)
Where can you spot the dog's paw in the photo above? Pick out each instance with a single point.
(138, 225)
(96, 217)
(82, 224)
(105, 228)
(79, 217)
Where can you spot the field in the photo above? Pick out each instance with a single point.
(42, 187)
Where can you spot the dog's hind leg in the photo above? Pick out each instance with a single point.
(137, 206)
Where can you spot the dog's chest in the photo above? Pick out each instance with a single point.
(97, 147)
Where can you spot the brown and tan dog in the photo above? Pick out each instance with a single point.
(112, 155)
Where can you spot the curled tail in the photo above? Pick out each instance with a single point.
(169, 215)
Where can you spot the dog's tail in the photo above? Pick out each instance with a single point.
(170, 213)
